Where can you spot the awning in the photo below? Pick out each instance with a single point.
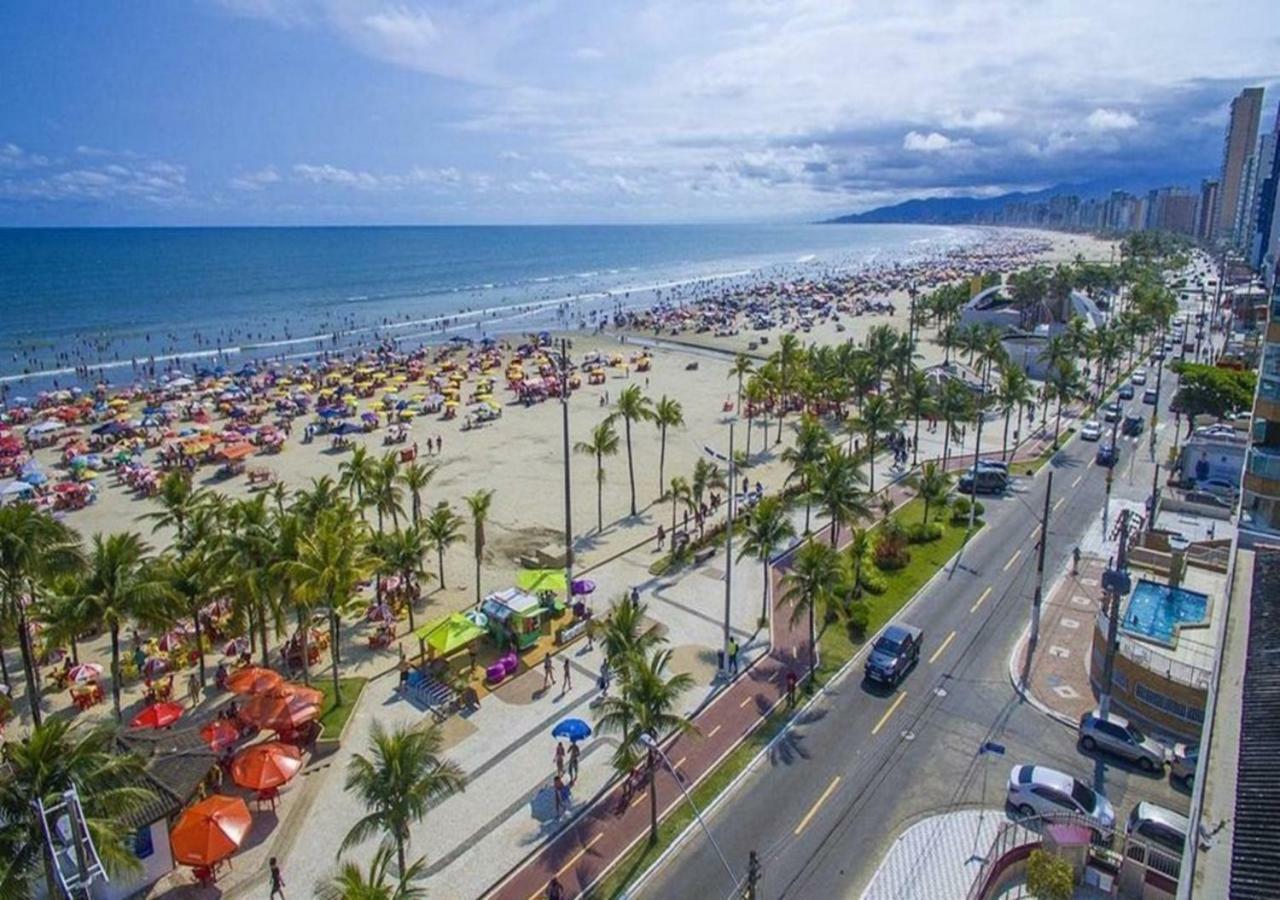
(451, 633)
(533, 580)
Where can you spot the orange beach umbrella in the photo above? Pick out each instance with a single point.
(278, 713)
(264, 766)
(210, 831)
(253, 680)
(219, 734)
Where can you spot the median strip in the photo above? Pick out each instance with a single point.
(888, 712)
(818, 805)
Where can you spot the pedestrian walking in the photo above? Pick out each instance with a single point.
(277, 880)
(193, 689)
(554, 890)
(568, 677)
(573, 763)
(557, 787)
(560, 758)
(791, 689)
(1075, 561)
(548, 673)
(662, 536)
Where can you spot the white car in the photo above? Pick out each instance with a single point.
(1091, 430)
(1140, 375)
(1041, 791)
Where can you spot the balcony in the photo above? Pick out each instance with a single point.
(1267, 405)
(1262, 471)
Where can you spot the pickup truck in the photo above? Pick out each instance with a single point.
(896, 650)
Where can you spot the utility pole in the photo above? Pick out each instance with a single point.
(753, 874)
(1039, 594)
(728, 558)
(568, 504)
(977, 450)
(1116, 584)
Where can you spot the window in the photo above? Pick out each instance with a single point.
(1084, 798)
(143, 846)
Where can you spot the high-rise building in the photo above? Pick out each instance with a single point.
(1240, 143)
(1264, 235)
(1260, 503)
(1207, 209)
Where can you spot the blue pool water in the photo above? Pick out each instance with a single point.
(1155, 610)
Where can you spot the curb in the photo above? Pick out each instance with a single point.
(1014, 679)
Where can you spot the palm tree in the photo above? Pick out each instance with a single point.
(1064, 386)
(876, 418)
(479, 504)
(740, 369)
(384, 492)
(53, 758)
(954, 404)
(332, 561)
(767, 528)
(604, 442)
(33, 547)
(178, 502)
(756, 394)
(633, 406)
(443, 528)
(707, 476)
(415, 479)
(812, 580)
(357, 474)
(787, 356)
(189, 582)
(247, 546)
(859, 547)
(667, 413)
(836, 489)
(351, 882)
(915, 397)
(323, 494)
(1014, 393)
(398, 782)
(931, 485)
(677, 492)
(401, 552)
(625, 635)
(120, 585)
(646, 705)
(810, 445)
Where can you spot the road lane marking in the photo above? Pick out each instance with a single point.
(984, 596)
(1058, 503)
(712, 733)
(746, 701)
(941, 647)
(573, 860)
(818, 805)
(888, 712)
(640, 798)
(1012, 559)
(1079, 478)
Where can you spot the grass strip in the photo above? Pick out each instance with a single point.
(332, 716)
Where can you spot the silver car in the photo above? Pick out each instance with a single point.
(1117, 735)
(1041, 791)
(1183, 765)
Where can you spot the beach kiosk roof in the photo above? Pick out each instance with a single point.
(542, 580)
(451, 633)
(502, 605)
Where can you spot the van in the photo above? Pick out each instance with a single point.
(1159, 826)
(990, 481)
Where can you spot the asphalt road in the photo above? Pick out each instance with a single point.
(866, 761)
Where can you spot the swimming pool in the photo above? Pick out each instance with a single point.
(1156, 610)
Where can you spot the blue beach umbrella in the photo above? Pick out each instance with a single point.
(573, 729)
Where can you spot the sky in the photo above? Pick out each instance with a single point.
(222, 112)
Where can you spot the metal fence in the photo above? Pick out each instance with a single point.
(1153, 660)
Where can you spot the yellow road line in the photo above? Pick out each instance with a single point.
(712, 733)
(1079, 478)
(941, 647)
(888, 712)
(818, 805)
(573, 860)
(1012, 559)
(984, 596)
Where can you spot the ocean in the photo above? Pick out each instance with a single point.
(132, 303)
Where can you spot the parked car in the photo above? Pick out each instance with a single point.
(1132, 425)
(1160, 826)
(1204, 498)
(989, 481)
(1149, 396)
(994, 465)
(1041, 791)
(1107, 455)
(1091, 430)
(1139, 376)
(896, 651)
(1125, 392)
(1183, 764)
(1219, 486)
(1112, 412)
(1118, 735)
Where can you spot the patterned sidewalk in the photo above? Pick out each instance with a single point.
(936, 858)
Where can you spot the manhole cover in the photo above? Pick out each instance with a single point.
(908, 735)
(940, 692)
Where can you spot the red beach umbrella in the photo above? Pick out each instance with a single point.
(265, 766)
(219, 734)
(253, 680)
(210, 831)
(158, 715)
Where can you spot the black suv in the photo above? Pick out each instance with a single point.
(1132, 425)
(897, 650)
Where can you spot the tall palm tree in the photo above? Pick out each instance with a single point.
(415, 477)
(859, 547)
(810, 445)
(757, 394)
(740, 369)
(678, 492)
(633, 406)
(877, 417)
(33, 546)
(322, 495)
(836, 489)
(707, 476)
(862, 377)
(120, 585)
(247, 546)
(53, 758)
(625, 634)
(1013, 393)
(646, 705)
(398, 782)
(767, 529)
(357, 474)
(788, 357)
(178, 502)
(954, 405)
(603, 442)
(332, 561)
(931, 485)
(811, 581)
(479, 504)
(384, 492)
(443, 528)
(667, 413)
(1064, 386)
(189, 582)
(401, 553)
(351, 882)
(915, 397)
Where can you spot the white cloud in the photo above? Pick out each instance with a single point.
(979, 120)
(255, 181)
(158, 183)
(590, 54)
(1110, 120)
(327, 174)
(932, 142)
(14, 157)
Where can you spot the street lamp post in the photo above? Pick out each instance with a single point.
(728, 559)
(652, 745)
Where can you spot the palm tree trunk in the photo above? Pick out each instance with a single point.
(4, 672)
(631, 469)
(599, 493)
(1057, 424)
(1018, 430)
(304, 631)
(813, 641)
(871, 456)
(262, 633)
(1004, 443)
(411, 589)
(925, 521)
(478, 552)
(195, 618)
(653, 800)
(946, 442)
(748, 450)
(915, 442)
(333, 638)
(662, 460)
(115, 670)
(28, 666)
(440, 563)
(764, 603)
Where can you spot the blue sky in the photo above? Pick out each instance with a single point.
(407, 111)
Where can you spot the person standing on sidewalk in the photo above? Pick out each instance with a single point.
(791, 688)
(1075, 561)
(557, 787)
(733, 656)
(554, 890)
(573, 763)
(559, 759)
(568, 677)
(548, 673)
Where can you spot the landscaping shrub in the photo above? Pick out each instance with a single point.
(960, 510)
(857, 620)
(1049, 877)
(891, 552)
(871, 582)
(922, 533)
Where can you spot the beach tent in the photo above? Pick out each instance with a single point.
(451, 633)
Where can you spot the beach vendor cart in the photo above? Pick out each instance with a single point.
(514, 617)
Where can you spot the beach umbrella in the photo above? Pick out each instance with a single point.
(219, 734)
(172, 641)
(154, 666)
(210, 831)
(583, 586)
(533, 580)
(572, 729)
(253, 680)
(381, 612)
(85, 672)
(265, 766)
(157, 715)
(276, 712)
(235, 646)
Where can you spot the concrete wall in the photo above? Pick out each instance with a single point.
(1129, 675)
(156, 864)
